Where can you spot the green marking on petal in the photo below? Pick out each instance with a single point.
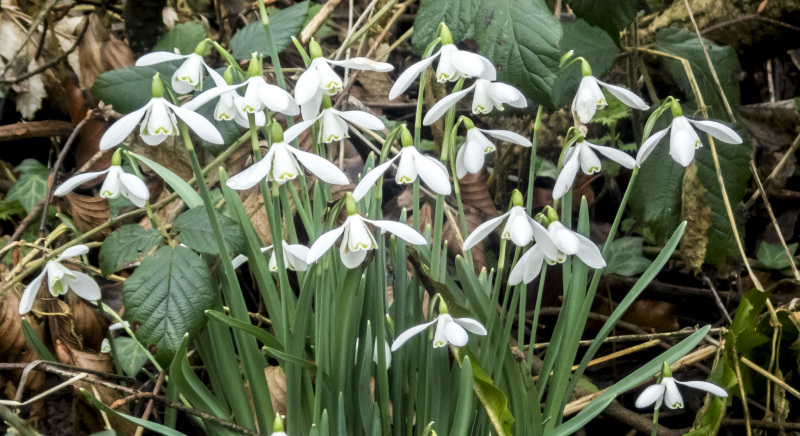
(488, 149)
(593, 170)
(57, 288)
(106, 194)
(438, 344)
(405, 179)
(249, 109)
(480, 108)
(161, 131)
(224, 117)
(361, 246)
(442, 77)
(698, 144)
(286, 176)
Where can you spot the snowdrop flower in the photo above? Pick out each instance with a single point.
(117, 183)
(517, 228)
(333, 123)
(553, 245)
(590, 98)
(319, 78)
(412, 164)
(449, 330)
(453, 65)
(387, 351)
(684, 140)
(159, 122)
(667, 389)
(357, 238)
(61, 279)
(227, 107)
(258, 95)
(488, 95)
(583, 154)
(469, 158)
(105, 346)
(189, 76)
(281, 165)
(294, 258)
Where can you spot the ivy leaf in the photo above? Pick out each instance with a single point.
(125, 246)
(168, 295)
(31, 186)
(611, 16)
(194, 229)
(129, 355)
(184, 37)
(128, 89)
(595, 46)
(774, 256)
(625, 257)
(284, 24)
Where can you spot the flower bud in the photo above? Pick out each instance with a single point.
(350, 204)
(276, 131)
(676, 108)
(157, 87)
(254, 69)
(541, 219)
(314, 49)
(116, 159)
(447, 37)
(467, 123)
(228, 75)
(586, 69)
(516, 198)
(277, 425)
(405, 136)
(200, 49)
(552, 215)
(666, 371)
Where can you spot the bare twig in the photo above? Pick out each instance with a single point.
(775, 171)
(769, 425)
(640, 337)
(740, 383)
(748, 18)
(720, 304)
(315, 23)
(149, 408)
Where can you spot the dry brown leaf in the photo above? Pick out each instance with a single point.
(254, 207)
(88, 324)
(13, 345)
(87, 212)
(697, 214)
(653, 314)
(87, 143)
(170, 153)
(276, 380)
(100, 51)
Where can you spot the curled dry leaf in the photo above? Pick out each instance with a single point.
(100, 51)
(87, 212)
(87, 143)
(478, 208)
(13, 345)
(276, 380)
(88, 324)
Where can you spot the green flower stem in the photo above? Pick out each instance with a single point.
(457, 190)
(418, 127)
(251, 355)
(536, 310)
(147, 207)
(654, 432)
(531, 173)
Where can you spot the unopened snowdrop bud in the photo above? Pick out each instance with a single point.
(666, 371)
(405, 136)
(542, 219)
(277, 131)
(228, 75)
(467, 123)
(254, 69)
(442, 307)
(200, 49)
(277, 426)
(157, 88)
(314, 49)
(552, 215)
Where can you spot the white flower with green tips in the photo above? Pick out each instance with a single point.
(583, 155)
(487, 95)
(357, 238)
(158, 118)
(683, 141)
(319, 78)
(590, 98)
(449, 330)
(117, 183)
(294, 257)
(666, 391)
(280, 164)
(189, 76)
(470, 156)
(412, 164)
(333, 123)
(517, 228)
(60, 280)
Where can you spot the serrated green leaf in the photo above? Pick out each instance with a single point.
(129, 355)
(128, 89)
(126, 245)
(625, 258)
(773, 256)
(595, 46)
(31, 186)
(167, 295)
(284, 24)
(611, 16)
(184, 37)
(459, 15)
(194, 229)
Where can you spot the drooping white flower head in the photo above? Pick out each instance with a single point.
(357, 238)
(453, 65)
(590, 98)
(281, 164)
(105, 346)
(60, 280)
(583, 154)
(667, 391)
(387, 352)
(258, 95)
(333, 123)
(470, 156)
(553, 245)
(412, 164)
(117, 183)
(189, 76)
(159, 121)
(449, 330)
(319, 78)
(488, 95)
(227, 107)
(684, 140)
(294, 257)
(517, 228)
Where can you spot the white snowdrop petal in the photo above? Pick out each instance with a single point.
(122, 128)
(455, 334)
(408, 334)
(442, 106)
(718, 130)
(363, 119)
(402, 231)
(567, 176)
(293, 132)
(433, 173)
(307, 86)
(75, 181)
(672, 396)
(409, 75)
(134, 185)
(29, 295)
(75, 250)
(201, 126)
(319, 166)
(362, 63)
(83, 286)
(617, 156)
(251, 176)
(471, 325)
(505, 135)
(589, 254)
(209, 95)
(352, 259)
(482, 231)
(590, 163)
(625, 96)
(370, 178)
(705, 386)
(323, 244)
(683, 141)
(158, 57)
(649, 396)
(649, 145)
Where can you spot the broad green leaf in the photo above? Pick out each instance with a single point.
(183, 189)
(459, 15)
(152, 426)
(31, 186)
(167, 295)
(125, 246)
(129, 355)
(611, 16)
(594, 45)
(184, 37)
(625, 258)
(194, 229)
(773, 256)
(128, 89)
(284, 24)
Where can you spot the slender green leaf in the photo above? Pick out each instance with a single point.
(35, 342)
(152, 426)
(180, 186)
